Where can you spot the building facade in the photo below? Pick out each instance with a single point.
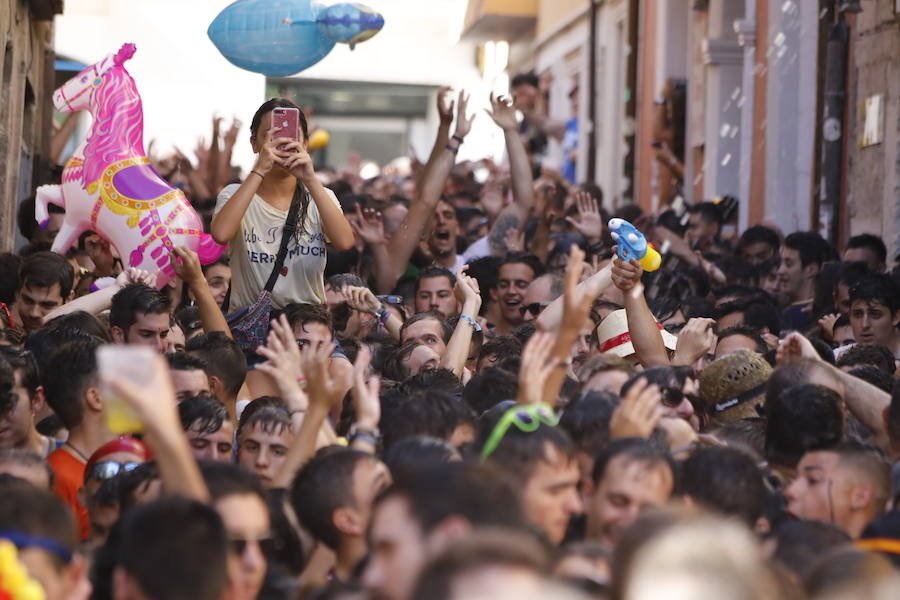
(26, 81)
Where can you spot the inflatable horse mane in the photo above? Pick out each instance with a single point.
(109, 187)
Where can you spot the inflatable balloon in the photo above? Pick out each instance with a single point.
(282, 37)
(109, 187)
(318, 139)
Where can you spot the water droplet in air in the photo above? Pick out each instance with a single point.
(726, 159)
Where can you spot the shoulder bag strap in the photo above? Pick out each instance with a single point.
(290, 227)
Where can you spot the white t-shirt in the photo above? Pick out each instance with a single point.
(253, 250)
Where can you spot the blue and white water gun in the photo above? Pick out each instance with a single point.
(633, 244)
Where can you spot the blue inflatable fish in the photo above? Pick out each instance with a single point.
(282, 37)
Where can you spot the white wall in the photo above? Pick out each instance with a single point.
(184, 80)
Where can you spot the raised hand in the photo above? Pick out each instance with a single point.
(463, 121)
(503, 113)
(696, 339)
(270, 152)
(369, 226)
(514, 240)
(638, 413)
(298, 161)
(133, 275)
(537, 365)
(366, 389)
(283, 364)
(230, 136)
(445, 106)
(467, 293)
(588, 223)
(322, 389)
(492, 199)
(826, 324)
(362, 299)
(795, 345)
(187, 266)
(626, 274)
(577, 304)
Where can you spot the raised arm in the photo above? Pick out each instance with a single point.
(405, 239)
(457, 351)
(551, 317)
(334, 224)
(155, 406)
(96, 302)
(227, 222)
(577, 301)
(645, 335)
(187, 267)
(445, 115)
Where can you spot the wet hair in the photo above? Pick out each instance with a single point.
(488, 387)
(301, 195)
(812, 247)
(414, 455)
(188, 318)
(271, 419)
(322, 486)
(759, 234)
(869, 242)
(82, 321)
(342, 280)
(175, 549)
(27, 458)
(586, 420)
(23, 362)
(725, 480)
(71, 370)
(432, 413)
(664, 377)
(849, 273)
(433, 380)
(801, 418)
(202, 413)
(134, 299)
(759, 312)
(45, 269)
(223, 357)
(877, 288)
(301, 314)
(128, 483)
(394, 366)
(708, 211)
(651, 454)
(519, 453)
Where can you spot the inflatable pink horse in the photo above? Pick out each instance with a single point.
(109, 187)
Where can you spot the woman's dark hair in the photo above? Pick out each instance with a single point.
(301, 195)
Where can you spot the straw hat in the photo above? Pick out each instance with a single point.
(732, 386)
(613, 336)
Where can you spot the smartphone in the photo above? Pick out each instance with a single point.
(123, 361)
(286, 122)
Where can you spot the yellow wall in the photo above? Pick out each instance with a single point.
(551, 13)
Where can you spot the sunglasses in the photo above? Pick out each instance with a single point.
(534, 308)
(525, 418)
(102, 471)
(239, 545)
(673, 397)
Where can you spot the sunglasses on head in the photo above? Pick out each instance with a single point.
(239, 545)
(534, 308)
(673, 397)
(107, 469)
(525, 418)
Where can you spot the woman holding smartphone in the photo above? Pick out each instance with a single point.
(250, 217)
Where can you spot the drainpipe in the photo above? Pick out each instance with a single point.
(592, 96)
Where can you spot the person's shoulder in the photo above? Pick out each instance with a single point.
(227, 191)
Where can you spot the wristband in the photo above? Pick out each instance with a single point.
(471, 322)
(364, 436)
(453, 149)
(457, 138)
(261, 176)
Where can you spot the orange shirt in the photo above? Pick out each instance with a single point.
(69, 472)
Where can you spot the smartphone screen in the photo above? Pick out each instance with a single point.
(286, 122)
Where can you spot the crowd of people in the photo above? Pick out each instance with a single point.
(461, 391)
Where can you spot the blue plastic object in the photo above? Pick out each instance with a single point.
(282, 37)
(633, 244)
